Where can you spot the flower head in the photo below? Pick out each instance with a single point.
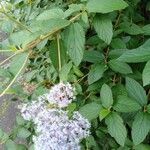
(61, 95)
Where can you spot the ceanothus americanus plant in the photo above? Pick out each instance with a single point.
(80, 72)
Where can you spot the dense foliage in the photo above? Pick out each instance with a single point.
(101, 47)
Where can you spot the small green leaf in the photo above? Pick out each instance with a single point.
(120, 67)
(116, 128)
(140, 127)
(106, 96)
(125, 104)
(103, 113)
(20, 120)
(103, 27)
(74, 38)
(23, 133)
(146, 74)
(90, 111)
(101, 6)
(136, 91)
(96, 73)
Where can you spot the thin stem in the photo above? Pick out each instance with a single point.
(7, 50)
(58, 51)
(10, 84)
(75, 17)
(8, 58)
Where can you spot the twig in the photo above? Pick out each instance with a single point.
(19, 51)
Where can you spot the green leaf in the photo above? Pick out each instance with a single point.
(119, 66)
(146, 74)
(148, 108)
(103, 27)
(74, 38)
(23, 133)
(103, 113)
(93, 56)
(103, 6)
(146, 29)
(20, 120)
(96, 73)
(52, 13)
(10, 145)
(21, 147)
(116, 128)
(140, 127)
(53, 53)
(125, 104)
(131, 28)
(142, 147)
(136, 91)
(140, 54)
(106, 96)
(118, 43)
(65, 71)
(72, 9)
(17, 62)
(90, 111)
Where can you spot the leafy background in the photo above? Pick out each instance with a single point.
(101, 46)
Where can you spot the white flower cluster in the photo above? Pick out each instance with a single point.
(61, 95)
(55, 130)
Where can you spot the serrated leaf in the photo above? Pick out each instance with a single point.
(23, 133)
(45, 26)
(136, 91)
(53, 53)
(65, 71)
(106, 96)
(103, 27)
(140, 127)
(103, 6)
(119, 66)
(136, 55)
(146, 29)
(126, 104)
(96, 73)
(118, 43)
(146, 74)
(93, 56)
(116, 128)
(131, 28)
(90, 111)
(74, 38)
(49, 14)
(148, 108)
